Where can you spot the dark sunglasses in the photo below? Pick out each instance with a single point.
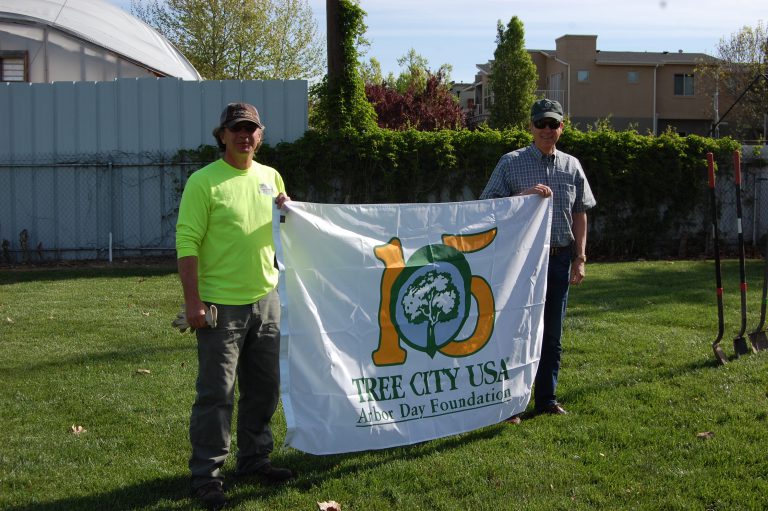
(248, 127)
(546, 123)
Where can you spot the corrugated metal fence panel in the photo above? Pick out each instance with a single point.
(135, 115)
(82, 160)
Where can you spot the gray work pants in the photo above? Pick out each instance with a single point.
(245, 344)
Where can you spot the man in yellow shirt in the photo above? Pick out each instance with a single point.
(226, 258)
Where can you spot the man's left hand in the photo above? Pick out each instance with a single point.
(281, 199)
(577, 272)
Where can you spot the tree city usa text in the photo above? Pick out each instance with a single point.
(427, 383)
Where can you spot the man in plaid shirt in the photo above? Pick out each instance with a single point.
(541, 169)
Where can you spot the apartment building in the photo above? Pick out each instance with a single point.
(648, 91)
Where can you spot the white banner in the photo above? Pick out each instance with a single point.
(408, 322)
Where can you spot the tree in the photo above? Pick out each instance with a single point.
(338, 102)
(372, 75)
(240, 39)
(418, 98)
(432, 298)
(513, 77)
(741, 66)
(415, 73)
(414, 76)
(296, 50)
(430, 109)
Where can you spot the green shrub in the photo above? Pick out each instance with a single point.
(650, 190)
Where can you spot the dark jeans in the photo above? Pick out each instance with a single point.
(245, 345)
(558, 282)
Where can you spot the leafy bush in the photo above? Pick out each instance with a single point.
(650, 190)
(432, 109)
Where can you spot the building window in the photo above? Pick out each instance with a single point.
(582, 75)
(684, 85)
(13, 66)
(633, 77)
(487, 96)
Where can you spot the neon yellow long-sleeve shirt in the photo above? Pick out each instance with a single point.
(225, 220)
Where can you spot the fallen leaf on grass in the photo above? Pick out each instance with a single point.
(8, 320)
(76, 430)
(143, 371)
(145, 313)
(705, 435)
(329, 506)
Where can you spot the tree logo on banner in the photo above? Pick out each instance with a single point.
(426, 301)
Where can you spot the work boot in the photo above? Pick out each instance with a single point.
(211, 496)
(269, 474)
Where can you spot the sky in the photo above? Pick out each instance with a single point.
(462, 33)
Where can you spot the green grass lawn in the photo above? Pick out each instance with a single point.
(639, 378)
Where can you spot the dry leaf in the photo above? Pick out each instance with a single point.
(145, 313)
(76, 430)
(705, 435)
(329, 506)
(8, 320)
(142, 371)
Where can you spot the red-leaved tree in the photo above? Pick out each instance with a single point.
(432, 109)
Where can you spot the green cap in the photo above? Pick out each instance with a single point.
(546, 108)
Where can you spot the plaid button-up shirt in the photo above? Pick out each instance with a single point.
(524, 168)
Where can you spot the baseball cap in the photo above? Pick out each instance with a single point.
(237, 112)
(546, 108)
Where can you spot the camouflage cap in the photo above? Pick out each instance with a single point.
(237, 112)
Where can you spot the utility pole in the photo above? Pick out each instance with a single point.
(335, 53)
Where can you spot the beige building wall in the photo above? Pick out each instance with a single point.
(637, 91)
(630, 89)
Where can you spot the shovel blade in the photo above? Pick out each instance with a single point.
(719, 353)
(759, 340)
(740, 346)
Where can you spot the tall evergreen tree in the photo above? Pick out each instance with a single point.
(513, 77)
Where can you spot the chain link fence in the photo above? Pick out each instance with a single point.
(90, 206)
(754, 206)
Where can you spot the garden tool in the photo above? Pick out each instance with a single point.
(719, 353)
(181, 319)
(758, 338)
(740, 346)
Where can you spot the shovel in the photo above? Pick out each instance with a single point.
(740, 346)
(719, 353)
(758, 338)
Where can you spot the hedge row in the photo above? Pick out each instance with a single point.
(651, 190)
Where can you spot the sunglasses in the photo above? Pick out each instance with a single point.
(248, 127)
(546, 123)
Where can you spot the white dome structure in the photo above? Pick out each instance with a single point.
(79, 40)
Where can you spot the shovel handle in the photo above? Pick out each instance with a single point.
(716, 241)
